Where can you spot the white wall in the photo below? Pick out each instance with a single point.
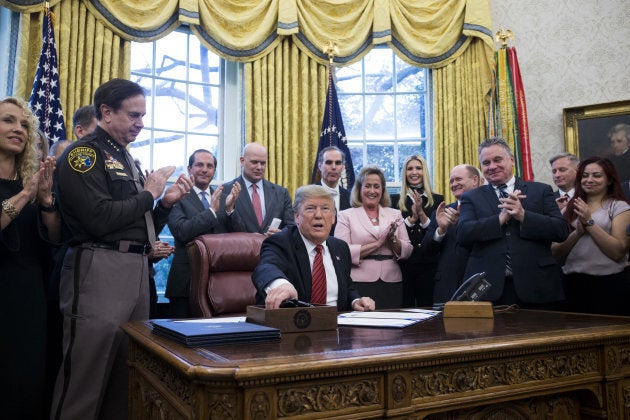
(571, 53)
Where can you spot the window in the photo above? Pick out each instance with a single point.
(183, 83)
(185, 89)
(385, 106)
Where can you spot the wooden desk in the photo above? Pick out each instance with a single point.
(521, 365)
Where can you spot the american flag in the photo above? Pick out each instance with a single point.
(333, 134)
(45, 101)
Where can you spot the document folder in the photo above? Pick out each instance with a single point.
(195, 334)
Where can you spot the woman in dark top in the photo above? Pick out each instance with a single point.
(417, 202)
(27, 216)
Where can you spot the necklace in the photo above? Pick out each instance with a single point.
(373, 219)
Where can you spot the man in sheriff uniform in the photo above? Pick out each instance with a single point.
(108, 207)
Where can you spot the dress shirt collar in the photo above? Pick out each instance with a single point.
(248, 185)
(310, 246)
(199, 191)
(333, 191)
(510, 186)
(569, 193)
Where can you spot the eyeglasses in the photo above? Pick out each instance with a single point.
(336, 162)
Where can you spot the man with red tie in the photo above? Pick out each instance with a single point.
(303, 262)
(262, 201)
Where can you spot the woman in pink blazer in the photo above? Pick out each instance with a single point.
(377, 238)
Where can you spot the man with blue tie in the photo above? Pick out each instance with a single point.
(262, 200)
(200, 212)
(510, 225)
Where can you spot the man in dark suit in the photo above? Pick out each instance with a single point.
(200, 212)
(441, 236)
(510, 225)
(261, 201)
(564, 170)
(289, 259)
(331, 162)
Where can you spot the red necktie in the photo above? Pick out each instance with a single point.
(318, 289)
(256, 204)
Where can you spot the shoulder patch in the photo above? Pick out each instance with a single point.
(82, 159)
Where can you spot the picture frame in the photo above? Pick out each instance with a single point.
(586, 127)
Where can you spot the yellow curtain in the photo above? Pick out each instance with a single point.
(281, 41)
(89, 54)
(460, 109)
(285, 94)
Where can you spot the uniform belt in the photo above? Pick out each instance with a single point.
(122, 246)
(379, 257)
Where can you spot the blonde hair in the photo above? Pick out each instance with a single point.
(26, 163)
(426, 182)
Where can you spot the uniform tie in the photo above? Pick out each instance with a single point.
(204, 200)
(256, 204)
(148, 215)
(318, 289)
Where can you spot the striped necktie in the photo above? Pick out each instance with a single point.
(318, 288)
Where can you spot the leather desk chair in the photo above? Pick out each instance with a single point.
(221, 266)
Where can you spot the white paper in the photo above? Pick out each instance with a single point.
(275, 223)
(384, 319)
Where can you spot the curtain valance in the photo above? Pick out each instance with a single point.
(431, 33)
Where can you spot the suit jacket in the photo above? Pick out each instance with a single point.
(452, 257)
(277, 204)
(284, 255)
(354, 227)
(188, 219)
(537, 275)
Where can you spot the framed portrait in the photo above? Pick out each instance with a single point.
(587, 128)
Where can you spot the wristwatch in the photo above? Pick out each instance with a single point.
(589, 222)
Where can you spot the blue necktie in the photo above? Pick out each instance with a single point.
(204, 200)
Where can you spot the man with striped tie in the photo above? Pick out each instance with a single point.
(303, 262)
(200, 212)
(509, 225)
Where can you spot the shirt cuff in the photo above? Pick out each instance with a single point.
(426, 224)
(275, 283)
(437, 237)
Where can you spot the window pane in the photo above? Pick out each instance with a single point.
(352, 114)
(408, 116)
(142, 58)
(168, 148)
(349, 79)
(196, 142)
(409, 78)
(203, 108)
(379, 116)
(172, 56)
(170, 105)
(379, 70)
(382, 155)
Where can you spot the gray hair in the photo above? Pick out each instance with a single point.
(495, 141)
(572, 158)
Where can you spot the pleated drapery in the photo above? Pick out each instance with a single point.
(281, 41)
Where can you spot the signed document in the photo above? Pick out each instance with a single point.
(386, 319)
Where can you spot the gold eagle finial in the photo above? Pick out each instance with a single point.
(503, 35)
